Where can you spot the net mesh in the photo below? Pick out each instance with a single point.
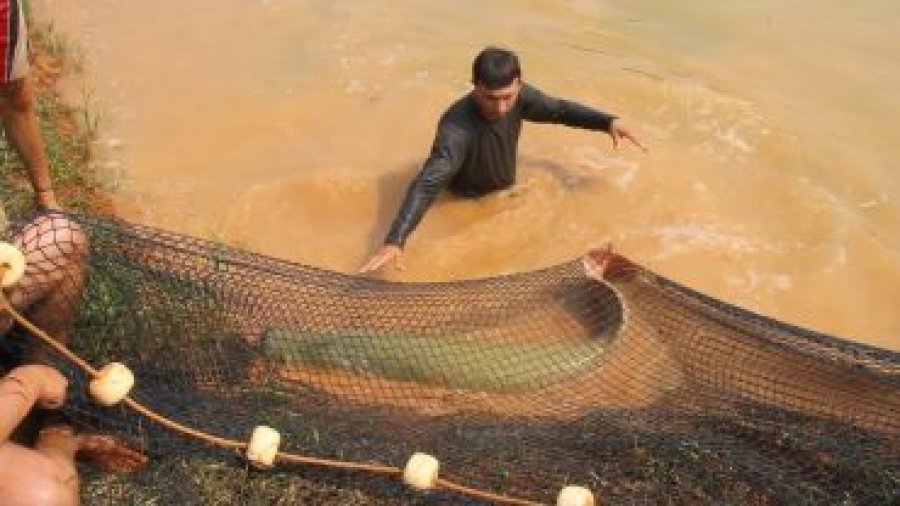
(640, 389)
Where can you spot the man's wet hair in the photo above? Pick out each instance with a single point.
(495, 68)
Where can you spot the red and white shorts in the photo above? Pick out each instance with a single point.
(13, 41)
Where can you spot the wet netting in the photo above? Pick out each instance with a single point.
(638, 388)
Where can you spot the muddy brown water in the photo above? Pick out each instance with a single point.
(291, 128)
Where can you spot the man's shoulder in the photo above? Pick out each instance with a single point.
(460, 116)
(462, 109)
(529, 89)
(530, 94)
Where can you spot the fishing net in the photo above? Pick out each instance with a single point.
(636, 387)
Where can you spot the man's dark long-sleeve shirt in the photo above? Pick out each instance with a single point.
(472, 155)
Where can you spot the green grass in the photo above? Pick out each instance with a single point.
(206, 481)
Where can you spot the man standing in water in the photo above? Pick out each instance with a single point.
(474, 151)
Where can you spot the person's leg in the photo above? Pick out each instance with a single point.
(55, 249)
(22, 127)
(43, 476)
(17, 105)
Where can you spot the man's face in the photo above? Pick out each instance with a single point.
(493, 104)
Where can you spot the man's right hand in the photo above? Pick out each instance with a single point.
(387, 253)
(619, 132)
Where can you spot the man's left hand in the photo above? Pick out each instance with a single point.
(618, 131)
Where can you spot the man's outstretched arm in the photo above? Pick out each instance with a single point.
(447, 155)
(542, 108)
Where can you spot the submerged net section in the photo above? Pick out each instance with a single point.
(640, 389)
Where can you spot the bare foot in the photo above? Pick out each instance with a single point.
(103, 452)
(109, 453)
(58, 440)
